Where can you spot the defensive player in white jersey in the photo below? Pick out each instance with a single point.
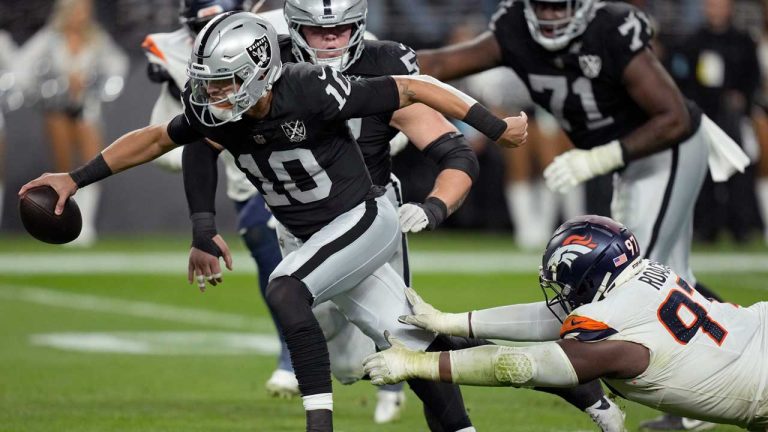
(168, 54)
(633, 322)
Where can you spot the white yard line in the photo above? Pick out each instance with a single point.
(140, 309)
(469, 262)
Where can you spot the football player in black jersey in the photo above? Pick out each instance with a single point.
(590, 64)
(336, 40)
(286, 127)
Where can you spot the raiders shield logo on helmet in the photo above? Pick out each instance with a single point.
(590, 65)
(572, 248)
(260, 52)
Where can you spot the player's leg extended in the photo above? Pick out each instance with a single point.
(262, 243)
(374, 306)
(332, 261)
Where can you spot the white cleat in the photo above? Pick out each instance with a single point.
(389, 406)
(607, 415)
(282, 384)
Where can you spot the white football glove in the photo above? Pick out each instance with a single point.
(413, 218)
(397, 143)
(576, 166)
(431, 319)
(398, 363)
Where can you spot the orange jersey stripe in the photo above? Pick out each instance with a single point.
(149, 45)
(576, 323)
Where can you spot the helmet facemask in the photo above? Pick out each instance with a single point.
(301, 14)
(246, 66)
(556, 33)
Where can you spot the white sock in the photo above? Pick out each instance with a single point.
(88, 200)
(468, 429)
(2, 191)
(762, 201)
(573, 202)
(520, 201)
(318, 401)
(546, 212)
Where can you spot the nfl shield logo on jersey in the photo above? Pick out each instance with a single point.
(259, 139)
(590, 65)
(295, 130)
(260, 52)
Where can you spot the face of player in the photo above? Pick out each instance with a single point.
(221, 93)
(718, 13)
(329, 40)
(556, 13)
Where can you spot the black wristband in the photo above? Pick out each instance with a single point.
(436, 211)
(95, 170)
(624, 153)
(484, 121)
(203, 232)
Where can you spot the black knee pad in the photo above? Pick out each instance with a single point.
(289, 299)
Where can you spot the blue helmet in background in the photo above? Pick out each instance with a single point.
(583, 259)
(195, 14)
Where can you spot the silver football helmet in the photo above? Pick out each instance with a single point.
(327, 13)
(561, 32)
(235, 60)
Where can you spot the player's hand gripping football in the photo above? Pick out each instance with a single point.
(429, 318)
(62, 183)
(516, 133)
(398, 363)
(204, 267)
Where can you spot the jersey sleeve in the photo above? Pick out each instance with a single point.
(585, 329)
(400, 60)
(504, 28)
(628, 33)
(335, 97)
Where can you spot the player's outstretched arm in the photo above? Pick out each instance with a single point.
(440, 142)
(518, 322)
(510, 132)
(134, 148)
(563, 364)
(457, 61)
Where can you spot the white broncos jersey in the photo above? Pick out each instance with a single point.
(708, 360)
(172, 51)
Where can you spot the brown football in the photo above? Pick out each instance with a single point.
(36, 210)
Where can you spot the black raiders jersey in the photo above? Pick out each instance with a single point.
(581, 85)
(373, 133)
(301, 156)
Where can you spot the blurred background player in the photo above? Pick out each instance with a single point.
(168, 55)
(71, 66)
(8, 100)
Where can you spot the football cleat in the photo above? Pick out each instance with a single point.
(282, 384)
(669, 422)
(389, 406)
(607, 415)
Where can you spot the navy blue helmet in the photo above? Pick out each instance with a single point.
(195, 14)
(583, 259)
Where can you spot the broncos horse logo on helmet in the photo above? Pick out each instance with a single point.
(584, 260)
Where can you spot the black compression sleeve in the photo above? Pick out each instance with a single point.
(485, 122)
(95, 170)
(200, 176)
(181, 131)
(451, 150)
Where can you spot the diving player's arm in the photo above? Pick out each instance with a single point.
(565, 363)
(440, 142)
(466, 58)
(510, 132)
(517, 322)
(132, 149)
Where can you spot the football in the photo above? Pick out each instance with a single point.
(36, 210)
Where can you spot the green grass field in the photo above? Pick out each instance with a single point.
(188, 368)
